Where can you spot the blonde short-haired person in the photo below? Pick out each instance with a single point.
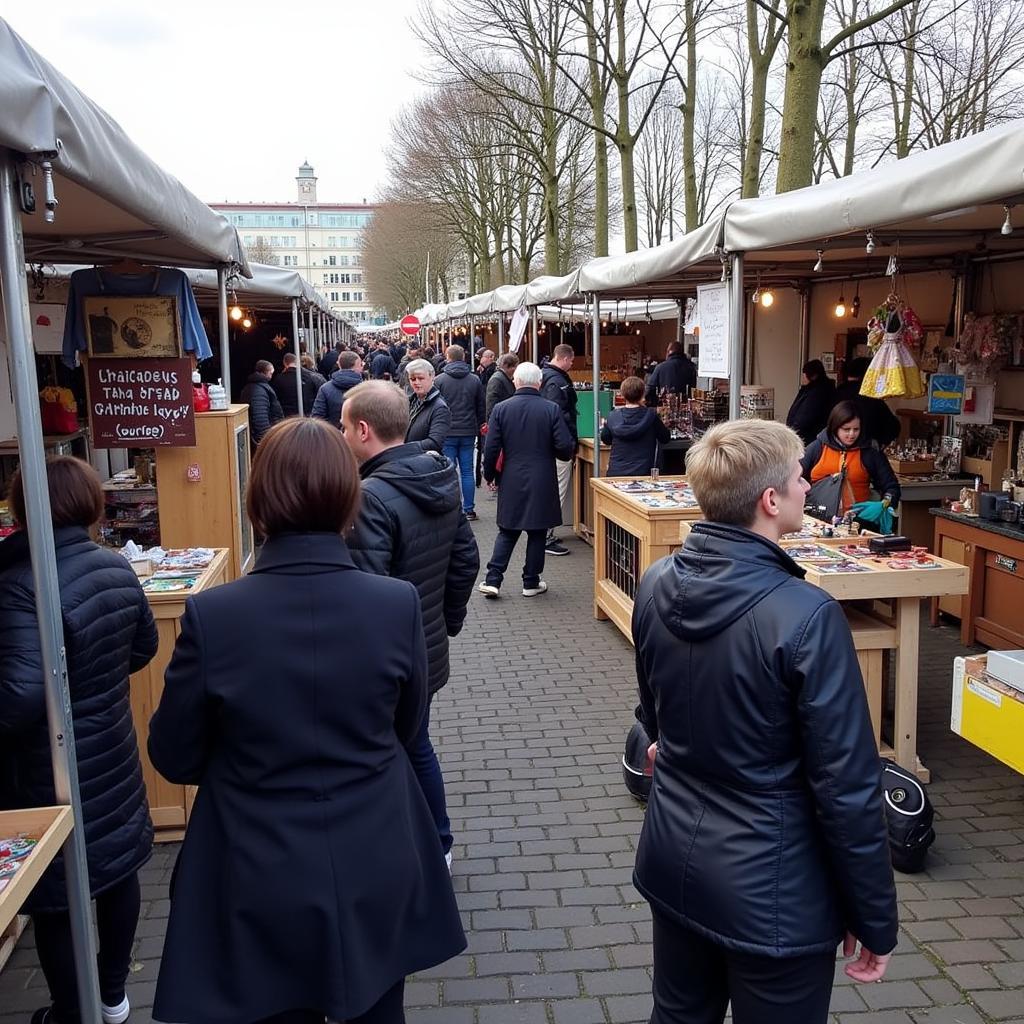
(764, 845)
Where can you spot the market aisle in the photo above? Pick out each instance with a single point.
(530, 731)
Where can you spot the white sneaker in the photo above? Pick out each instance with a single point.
(534, 591)
(489, 590)
(448, 861)
(116, 1014)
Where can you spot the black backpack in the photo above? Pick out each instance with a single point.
(908, 816)
(634, 763)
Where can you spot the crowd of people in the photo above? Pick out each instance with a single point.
(315, 872)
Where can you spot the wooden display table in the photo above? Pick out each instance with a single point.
(50, 826)
(992, 612)
(632, 535)
(169, 804)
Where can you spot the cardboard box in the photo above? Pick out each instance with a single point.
(988, 714)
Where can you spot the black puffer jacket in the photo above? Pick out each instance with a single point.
(460, 387)
(677, 373)
(283, 384)
(381, 365)
(809, 412)
(634, 435)
(557, 386)
(264, 408)
(330, 397)
(109, 633)
(499, 387)
(411, 526)
(765, 829)
(429, 421)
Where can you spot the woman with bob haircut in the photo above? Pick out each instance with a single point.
(312, 879)
(430, 419)
(109, 633)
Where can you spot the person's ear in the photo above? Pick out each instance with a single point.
(769, 502)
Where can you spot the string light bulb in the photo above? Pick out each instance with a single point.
(1007, 228)
(821, 261)
(767, 298)
(855, 308)
(236, 313)
(870, 247)
(841, 305)
(246, 323)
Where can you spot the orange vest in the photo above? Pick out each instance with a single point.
(858, 483)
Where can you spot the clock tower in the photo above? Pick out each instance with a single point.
(306, 183)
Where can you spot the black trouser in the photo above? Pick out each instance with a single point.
(695, 979)
(504, 545)
(387, 1010)
(117, 915)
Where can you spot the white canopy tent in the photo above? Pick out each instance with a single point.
(97, 197)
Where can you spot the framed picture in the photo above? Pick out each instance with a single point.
(828, 360)
(932, 346)
(132, 327)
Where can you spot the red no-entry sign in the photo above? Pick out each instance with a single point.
(410, 325)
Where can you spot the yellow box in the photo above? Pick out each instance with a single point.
(988, 714)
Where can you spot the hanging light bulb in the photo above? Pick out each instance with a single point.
(767, 298)
(841, 304)
(821, 261)
(236, 313)
(246, 323)
(855, 307)
(1007, 228)
(870, 247)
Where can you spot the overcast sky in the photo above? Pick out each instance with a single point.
(232, 97)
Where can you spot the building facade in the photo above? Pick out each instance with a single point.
(322, 241)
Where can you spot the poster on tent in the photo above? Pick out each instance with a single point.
(713, 321)
(518, 329)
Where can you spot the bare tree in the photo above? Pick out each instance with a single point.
(659, 167)
(261, 251)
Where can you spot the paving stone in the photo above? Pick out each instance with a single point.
(894, 994)
(577, 1011)
(961, 1013)
(513, 1013)
(1001, 1005)
(969, 951)
(475, 990)
(545, 986)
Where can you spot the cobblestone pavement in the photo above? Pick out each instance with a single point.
(530, 732)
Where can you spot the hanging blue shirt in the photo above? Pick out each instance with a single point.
(160, 281)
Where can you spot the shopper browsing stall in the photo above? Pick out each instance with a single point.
(634, 433)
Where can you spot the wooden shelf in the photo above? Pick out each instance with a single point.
(50, 826)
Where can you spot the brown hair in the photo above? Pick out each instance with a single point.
(262, 365)
(307, 361)
(455, 354)
(304, 479)
(347, 360)
(561, 351)
(383, 406)
(632, 389)
(843, 413)
(509, 361)
(76, 495)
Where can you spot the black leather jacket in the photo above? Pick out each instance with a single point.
(765, 830)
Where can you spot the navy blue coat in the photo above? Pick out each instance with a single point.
(557, 386)
(109, 633)
(460, 387)
(634, 435)
(765, 830)
(329, 399)
(381, 365)
(429, 421)
(532, 432)
(675, 375)
(311, 875)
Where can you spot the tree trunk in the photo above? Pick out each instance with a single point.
(909, 56)
(803, 87)
(689, 111)
(597, 100)
(624, 140)
(755, 139)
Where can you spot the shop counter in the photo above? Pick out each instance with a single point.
(673, 459)
(919, 494)
(169, 804)
(992, 611)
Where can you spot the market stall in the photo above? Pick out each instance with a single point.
(72, 186)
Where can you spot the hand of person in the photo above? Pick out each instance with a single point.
(868, 966)
(483, 429)
(652, 753)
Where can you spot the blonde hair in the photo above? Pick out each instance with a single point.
(734, 463)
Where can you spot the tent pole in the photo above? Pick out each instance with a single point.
(536, 336)
(295, 347)
(681, 322)
(595, 355)
(310, 347)
(501, 334)
(736, 330)
(222, 323)
(805, 324)
(25, 386)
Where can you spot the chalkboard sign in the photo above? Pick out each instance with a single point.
(713, 318)
(140, 403)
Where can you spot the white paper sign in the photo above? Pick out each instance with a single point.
(713, 320)
(48, 327)
(518, 329)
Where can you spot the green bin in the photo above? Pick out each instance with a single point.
(585, 410)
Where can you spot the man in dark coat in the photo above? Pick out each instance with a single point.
(809, 412)
(529, 434)
(264, 408)
(329, 399)
(381, 365)
(676, 375)
(429, 415)
(284, 387)
(764, 845)
(410, 527)
(485, 367)
(499, 387)
(558, 387)
(415, 351)
(462, 390)
(329, 360)
(877, 420)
